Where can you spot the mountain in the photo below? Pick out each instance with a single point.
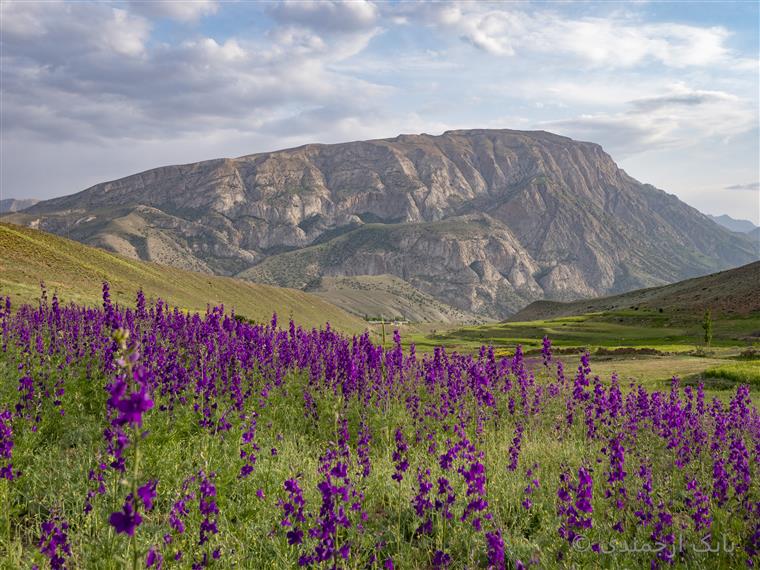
(15, 205)
(739, 226)
(485, 221)
(388, 297)
(736, 291)
(76, 272)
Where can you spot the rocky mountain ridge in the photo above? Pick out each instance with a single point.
(483, 220)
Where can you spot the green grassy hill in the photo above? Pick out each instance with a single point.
(76, 271)
(731, 292)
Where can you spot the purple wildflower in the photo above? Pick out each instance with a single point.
(495, 548)
(126, 520)
(399, 456)
(54, 542)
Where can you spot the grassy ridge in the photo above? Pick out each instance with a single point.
(76, 271)
(732, 292)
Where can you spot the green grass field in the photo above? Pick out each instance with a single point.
(740, 372)
(55, 451)
(618, 329)
(677, 338)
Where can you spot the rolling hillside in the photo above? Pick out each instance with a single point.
(732, 292)
(76, 272)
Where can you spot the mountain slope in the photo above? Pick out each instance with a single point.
(470, 261)
(732, 224)
(557, 218)
(76, 272)
(15, 205)
(389, 297)
(736, 291)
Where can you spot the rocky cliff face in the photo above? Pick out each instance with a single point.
(485, 220)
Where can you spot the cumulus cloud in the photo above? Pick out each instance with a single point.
(52, 33)
(91, 70)
(615, 40)
(342, 27)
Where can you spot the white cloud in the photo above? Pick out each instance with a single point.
(123, 33)
(679, 117)
(331, 16)
(181, 11)
(748, 187)
(55, 31)
(208, 51)
(91, 71)
(616, 41)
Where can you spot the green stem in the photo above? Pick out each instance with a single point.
(7, 504)
(135, 474)
(443, 537)
(400, 534)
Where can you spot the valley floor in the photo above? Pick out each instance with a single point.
(639, 346)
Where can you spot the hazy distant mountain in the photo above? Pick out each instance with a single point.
(483, 220)
(15, 205)
(740, 226)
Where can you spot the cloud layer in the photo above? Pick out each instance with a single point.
(200, 79)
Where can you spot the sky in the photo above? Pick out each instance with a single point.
(96, 91)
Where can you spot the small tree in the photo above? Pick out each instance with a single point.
(707, 325)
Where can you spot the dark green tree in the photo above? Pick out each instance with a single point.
(707, 327)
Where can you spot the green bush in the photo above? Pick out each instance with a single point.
(744, 372)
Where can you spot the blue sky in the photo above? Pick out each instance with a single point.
(96, 91)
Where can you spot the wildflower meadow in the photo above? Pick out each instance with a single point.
(147, 437)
